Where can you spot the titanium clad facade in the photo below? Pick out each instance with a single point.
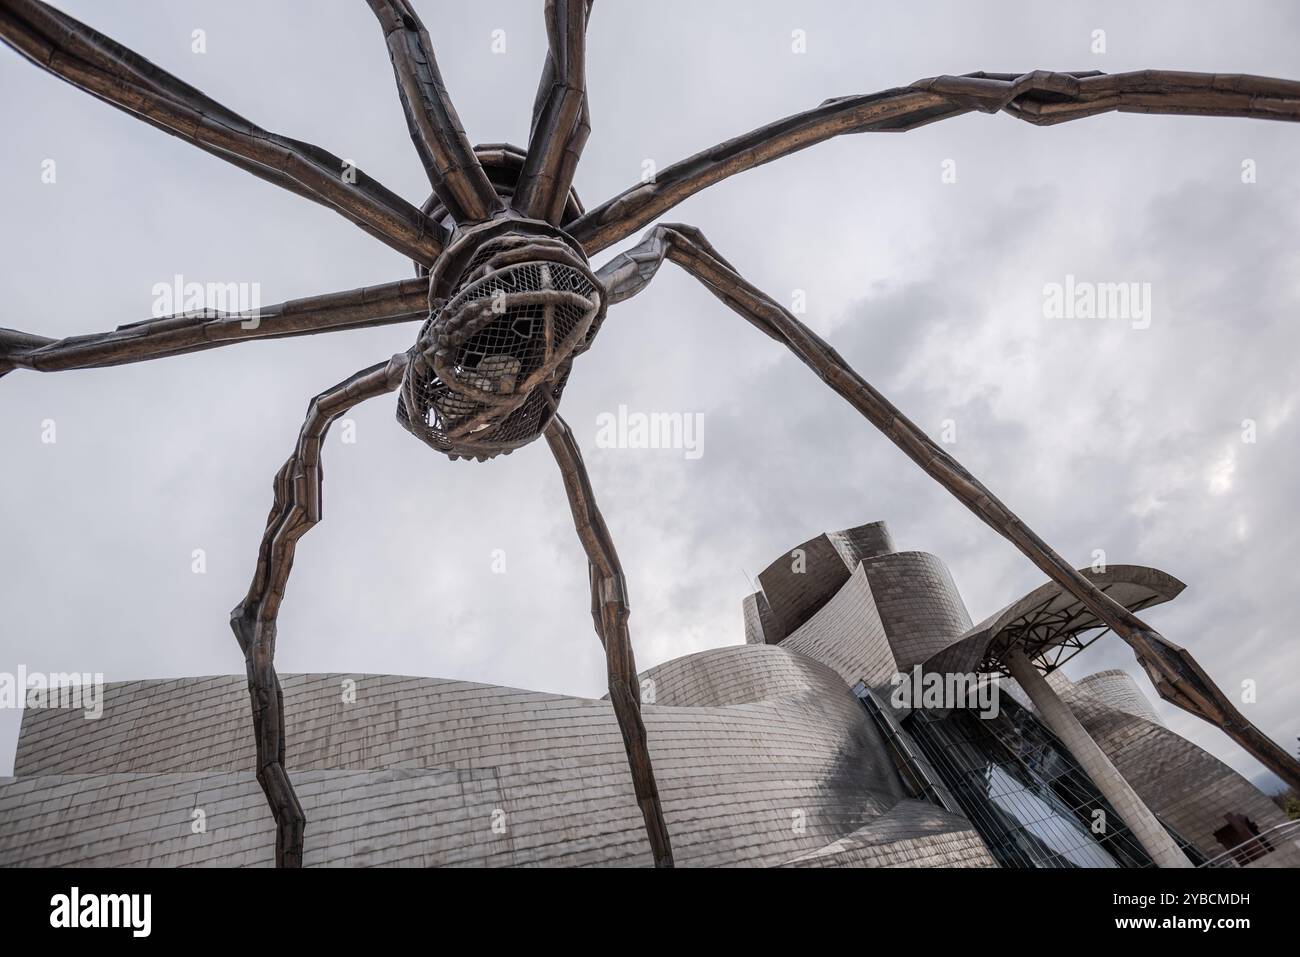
(847, 634)
(762, 753)
(1118, 689)
(764, 756)
(1187, 786)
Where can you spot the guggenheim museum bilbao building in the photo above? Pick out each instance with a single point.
(793, 749)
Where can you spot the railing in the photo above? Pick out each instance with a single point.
(1256, 847)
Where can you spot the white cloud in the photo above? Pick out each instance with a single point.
(1097, 434)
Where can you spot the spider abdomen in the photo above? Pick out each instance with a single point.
(491, 361)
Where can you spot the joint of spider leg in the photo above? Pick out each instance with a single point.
(613, 590)
(511, 303)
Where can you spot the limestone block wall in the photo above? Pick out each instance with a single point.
(1285, 854)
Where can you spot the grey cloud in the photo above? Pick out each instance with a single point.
(1100, 436)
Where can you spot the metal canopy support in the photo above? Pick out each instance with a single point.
(1154, 839)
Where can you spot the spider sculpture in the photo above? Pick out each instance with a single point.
(508, 300)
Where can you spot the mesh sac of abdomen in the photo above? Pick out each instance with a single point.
(491, 362)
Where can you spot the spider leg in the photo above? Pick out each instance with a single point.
(609, 609)
(561, 118)
(109, 71)
(1041, 98)
(393, 302)
(452, 168)
(297, 507)
(1176, 675)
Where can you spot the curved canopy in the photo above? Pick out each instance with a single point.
(1050, 623)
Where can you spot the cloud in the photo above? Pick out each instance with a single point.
(1098, 434)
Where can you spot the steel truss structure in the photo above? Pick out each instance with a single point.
(1049, 636)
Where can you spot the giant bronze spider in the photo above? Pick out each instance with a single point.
(508, 301)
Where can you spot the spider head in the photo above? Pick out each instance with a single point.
(486, 373)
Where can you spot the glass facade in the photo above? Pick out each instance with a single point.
(1028, 798)
(917, 775)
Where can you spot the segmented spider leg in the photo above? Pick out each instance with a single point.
(392, 302)
(452, 168)
(109, 71)
(297, 507)
(561, 118)
(1176, 675)
(609, 608)
(1040, 97)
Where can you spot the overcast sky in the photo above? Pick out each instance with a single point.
(1100, 435)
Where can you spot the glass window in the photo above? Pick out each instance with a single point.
(1033, 805)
